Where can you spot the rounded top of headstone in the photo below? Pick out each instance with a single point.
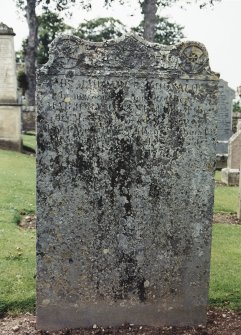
(5, 30)
(129, 54)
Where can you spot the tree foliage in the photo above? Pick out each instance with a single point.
(166, 32)
(100, 29)
(50, 26)
(148, 7)
(236, 106)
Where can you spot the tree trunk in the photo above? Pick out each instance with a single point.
(149, 9)
(30, 57)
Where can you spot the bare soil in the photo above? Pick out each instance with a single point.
(29, 221)
(229, 218)
(220, 322)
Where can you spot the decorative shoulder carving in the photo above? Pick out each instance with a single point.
(129, 54)
(5, 30)
(194, 57)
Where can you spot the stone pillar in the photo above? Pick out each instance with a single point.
(10, 110)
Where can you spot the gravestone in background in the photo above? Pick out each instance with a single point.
(10, 112)
(224, 117)
(126, 156)
(230, 175)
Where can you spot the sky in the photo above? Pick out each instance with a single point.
(217, 27)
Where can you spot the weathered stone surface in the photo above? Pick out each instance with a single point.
(230, 175)
(236, 117)
(234, 151)
(10, 128)
(224, 116)
(126, 155)
(10, 113)
(8, 83)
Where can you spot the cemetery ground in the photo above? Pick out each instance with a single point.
(17, 253)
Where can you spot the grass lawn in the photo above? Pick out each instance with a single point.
(226, 198)
(225, 283)
(29, 140)
(17, 246)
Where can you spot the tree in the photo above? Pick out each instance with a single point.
(29, 7)
(149, 10)
(100, 29)
(166, 32)
(236, 107)
(50, 25)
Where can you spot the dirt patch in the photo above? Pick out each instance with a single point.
(220, 322)
(28, 221)
(229, 218)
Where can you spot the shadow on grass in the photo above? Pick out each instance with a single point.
(28, 150)
(17, 307)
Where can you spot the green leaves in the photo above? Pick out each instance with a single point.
(166, 32)
(100, 29)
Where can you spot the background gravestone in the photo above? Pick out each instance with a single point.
(10, 112)
(126, 156)
(230, 175)
(224, 117)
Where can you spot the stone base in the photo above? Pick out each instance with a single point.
(11, 145)
(230, 177)
(221, 161)
(57, 317)
(10, 127)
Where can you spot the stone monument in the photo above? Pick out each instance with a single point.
(126, 157)
(10, 111)
(230, 175)
(224, 116)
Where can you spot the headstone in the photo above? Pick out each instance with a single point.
(239, 200)
(10, 112)
(230, 175)
(236, 116)
(224, 115)
(126, 156)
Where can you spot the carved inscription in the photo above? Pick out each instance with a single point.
(126, 154)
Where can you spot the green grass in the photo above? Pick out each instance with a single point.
(225, 198)
(225, 284)
(17, 246)
(29, 140)
(218, 175)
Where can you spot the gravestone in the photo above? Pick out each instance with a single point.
(224, 115)
(10, 112)
(230, 175)
(126, 156)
